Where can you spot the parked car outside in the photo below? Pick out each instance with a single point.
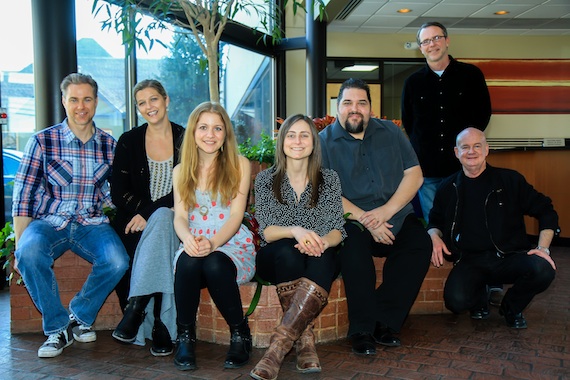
(11, 160)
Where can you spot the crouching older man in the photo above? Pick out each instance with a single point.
(478, 222)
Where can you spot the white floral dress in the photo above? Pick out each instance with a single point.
(206, 218)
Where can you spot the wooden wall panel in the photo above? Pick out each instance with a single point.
(527, 86)
(548, 172)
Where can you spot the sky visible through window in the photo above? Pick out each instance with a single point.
(16, 38)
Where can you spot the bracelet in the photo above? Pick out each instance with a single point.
(543, 249)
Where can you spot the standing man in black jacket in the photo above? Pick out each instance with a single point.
(438, 101)
(477, 220)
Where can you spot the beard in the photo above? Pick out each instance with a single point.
(354, 127)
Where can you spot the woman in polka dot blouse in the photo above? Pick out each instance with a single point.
(299, 210)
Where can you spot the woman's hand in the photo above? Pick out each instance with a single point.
(205, 246)
(308, 242)
(190, 245)
(137, 224)
(197, 246)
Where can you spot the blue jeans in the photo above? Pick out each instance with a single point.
(426, 193)
(41, 244)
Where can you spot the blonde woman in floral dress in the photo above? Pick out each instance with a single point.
(211, 185)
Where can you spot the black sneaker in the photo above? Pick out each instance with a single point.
(82, 333)
(55, 344)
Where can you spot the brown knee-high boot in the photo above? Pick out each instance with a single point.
(307, 358)
(305, 305)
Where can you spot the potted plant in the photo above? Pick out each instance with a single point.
(8, 240)
(262, 152)
(261, 155)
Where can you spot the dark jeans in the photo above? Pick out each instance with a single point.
(406, 265)
(465, 287)
(280, 262)
(216, 272)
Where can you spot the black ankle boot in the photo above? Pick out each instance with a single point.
(161, 341)
(133, 317)
(240, 346)
(185, 356)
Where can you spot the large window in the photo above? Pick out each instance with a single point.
(246, 78)
(16, 92)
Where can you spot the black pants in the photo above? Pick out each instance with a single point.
(406, 265)
(216, 272)
(280, 262)
(465, 287)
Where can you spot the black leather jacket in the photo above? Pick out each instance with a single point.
(510, 199)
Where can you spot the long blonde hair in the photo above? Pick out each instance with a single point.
(225, 175)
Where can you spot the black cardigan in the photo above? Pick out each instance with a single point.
(130, 182)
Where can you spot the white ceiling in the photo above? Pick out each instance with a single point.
(526, 17)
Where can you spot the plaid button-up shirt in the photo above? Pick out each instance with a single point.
(61, 179)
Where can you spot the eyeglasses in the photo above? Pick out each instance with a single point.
(428, 41)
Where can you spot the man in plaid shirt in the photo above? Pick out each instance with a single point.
(59, 193)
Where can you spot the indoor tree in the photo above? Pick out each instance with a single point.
(206, 19)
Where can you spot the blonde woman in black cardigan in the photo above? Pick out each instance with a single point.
(142, 184)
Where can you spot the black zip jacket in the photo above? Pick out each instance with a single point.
(510, 199)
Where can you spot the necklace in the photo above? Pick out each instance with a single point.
(203, 210)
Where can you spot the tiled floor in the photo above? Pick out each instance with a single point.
(434, 347)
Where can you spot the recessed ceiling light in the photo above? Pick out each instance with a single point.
(404, 10)
(360, 68)
(502, 13)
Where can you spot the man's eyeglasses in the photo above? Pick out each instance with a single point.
(428, 41)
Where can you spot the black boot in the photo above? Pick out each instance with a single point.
(240, 345)
(133, 317)
(185, 356)
(161, 341)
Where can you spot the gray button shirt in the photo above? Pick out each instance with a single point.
(370, 169)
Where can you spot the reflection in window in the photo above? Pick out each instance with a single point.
(182, 70)
(247, 90)
(101, 55)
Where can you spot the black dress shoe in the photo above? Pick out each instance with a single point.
(383, 336)
(481, 313)
(515, 321)
(363, 344)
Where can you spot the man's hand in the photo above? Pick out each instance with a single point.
(439, 249)
(542, 254)
(374, 218)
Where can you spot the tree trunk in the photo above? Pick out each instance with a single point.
(213, 73)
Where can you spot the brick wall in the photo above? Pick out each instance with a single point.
(71, 272)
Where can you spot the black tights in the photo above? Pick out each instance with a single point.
(217, 273)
